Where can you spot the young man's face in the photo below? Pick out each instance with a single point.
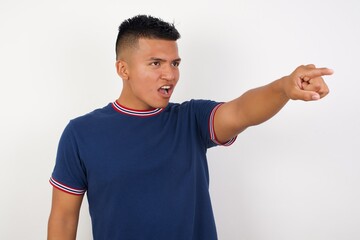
(152, 74)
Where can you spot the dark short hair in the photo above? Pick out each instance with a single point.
(143, 26)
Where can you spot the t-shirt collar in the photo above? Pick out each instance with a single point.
(133, 112)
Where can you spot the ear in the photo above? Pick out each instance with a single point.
(122, 69)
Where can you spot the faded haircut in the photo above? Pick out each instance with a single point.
(143, 26)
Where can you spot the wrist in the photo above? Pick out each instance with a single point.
(279, 86)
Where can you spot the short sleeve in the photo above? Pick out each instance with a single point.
(212, 129)
(69, 173)
(205, 112)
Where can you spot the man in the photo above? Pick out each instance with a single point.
(142, 160)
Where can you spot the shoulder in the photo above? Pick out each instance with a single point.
(95, 117)
(192, 105)
(96, 113)
(196, 109)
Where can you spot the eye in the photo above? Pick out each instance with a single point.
(155, 63)
(176, 64)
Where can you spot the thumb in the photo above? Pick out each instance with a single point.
(306, 95)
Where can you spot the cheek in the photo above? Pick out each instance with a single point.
(177, 76)
(145, 80)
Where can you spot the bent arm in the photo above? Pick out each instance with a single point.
(260, 104)
(64, 216)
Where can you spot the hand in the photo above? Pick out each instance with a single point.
(306, 83)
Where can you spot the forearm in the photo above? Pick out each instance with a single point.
(260, 104)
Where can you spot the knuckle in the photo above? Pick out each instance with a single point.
(325, 91)
(317, 86)
(311, 66)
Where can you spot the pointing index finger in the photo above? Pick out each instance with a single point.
(316, 72)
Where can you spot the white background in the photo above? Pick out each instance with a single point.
(296, 176)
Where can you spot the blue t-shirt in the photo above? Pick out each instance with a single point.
(145, 172)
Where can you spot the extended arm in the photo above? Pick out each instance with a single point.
(260, 104)
(64, 216)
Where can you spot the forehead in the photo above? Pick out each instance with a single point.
(165, 49)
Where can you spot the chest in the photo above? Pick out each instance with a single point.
(142, 153)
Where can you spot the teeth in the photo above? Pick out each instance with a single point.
(165, 89)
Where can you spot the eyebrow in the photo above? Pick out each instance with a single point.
(163, 60)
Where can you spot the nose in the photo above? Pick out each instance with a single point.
(169, 73)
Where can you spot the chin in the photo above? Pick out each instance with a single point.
(161, 104)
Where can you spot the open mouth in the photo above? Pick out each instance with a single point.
(166, 90)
